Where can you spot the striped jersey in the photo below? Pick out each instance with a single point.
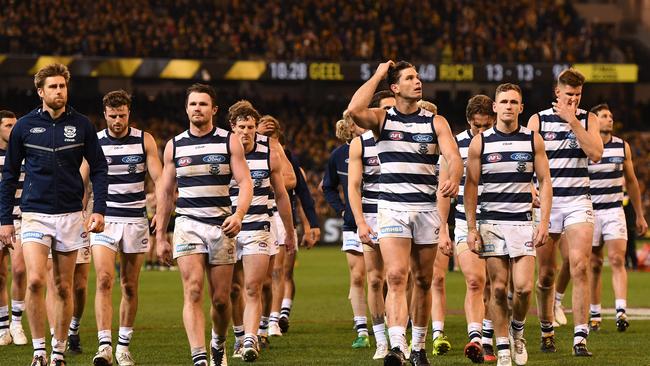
(507, 172)
(19, 188)
(371, 172)
(264, 140)
(203, 175)
(126, 161)
(606, 176)
(257, 216)
(567, 161)
(408, 152)
(463, 140)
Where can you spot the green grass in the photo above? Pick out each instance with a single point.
(321, 324)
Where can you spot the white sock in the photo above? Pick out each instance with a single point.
(39, 347)
(361, 324)
(437, 327)
(74, 326)
(380, 333)
(503, 346)
(474, 332)
(488, 332)
(580, 333)
(397, 337)
(418, 337)
(621, 304)
(273, 318)
(105, 338)
(558, 298)
(17, 309)
(594, 312)
(124, 339)
(4, 317)
(58, 348)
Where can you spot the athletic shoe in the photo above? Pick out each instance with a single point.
(237, 348)
(519, 352)
(488, 353)
(74, 344)
(395, 357)
(274, 330)
(263, 342)
(124, 358)
(381, 351)
(441, 345)
(39, 361)
(504, 359)
(560, 317)
(283, 323)
(361, 342)
(621, 324)
(474, 352)
(57, 362)
(419, 358)
(18, 334)
(5, 337)
(580, 350)
(594, 325)
(104, 356)
(218, 357)
(249, 354)
(548, 344)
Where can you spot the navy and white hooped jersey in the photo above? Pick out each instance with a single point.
(203, 175)
(567, 161)
(606, 176)
(507, 161)
(371, 171)
(463, 140)
(126, 161)
(257, 216)
(264, 140)
(19, 187)
(408, 152)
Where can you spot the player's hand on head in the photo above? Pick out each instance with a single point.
(96, 223)
(231, 226)
(383, 67)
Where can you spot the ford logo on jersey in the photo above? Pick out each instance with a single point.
(132, 159)
(422, 138)
(259, 174)
(396, 136)
(214, 159)
(493, 158)
(549, 136)
(521, 157)
(37, 130)
(616, 159)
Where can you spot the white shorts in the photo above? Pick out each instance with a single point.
(273, 244)
(194, 237)
(561, 217)
(254, 243)
(371, 220)
(351, 242)
(279, 233)
(59, 232)
(127, 237)
(421, 226)
(83, 255)
(460, 236)
(506, 240)
(610, 225)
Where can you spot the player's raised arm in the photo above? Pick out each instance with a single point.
(364, 117)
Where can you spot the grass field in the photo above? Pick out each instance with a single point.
(321, 324)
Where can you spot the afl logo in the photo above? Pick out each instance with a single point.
(259, 174)
(396, 136)
(214, 159)
(109, 160)
(493, 158)
(37, 130)
(372, 161)
(131, 159)
(184, 161)
(550, 136)
(422, 138)
(521, 156)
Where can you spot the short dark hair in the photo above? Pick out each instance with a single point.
(116, 99)
(395, 71)
(502, 88)
(479, 104)
(49, 71)
(379, 96)
(242, 109)
(6, 114)
(600, 107)
(202, 88)
(571, 77)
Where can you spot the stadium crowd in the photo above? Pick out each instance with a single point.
(436, 30)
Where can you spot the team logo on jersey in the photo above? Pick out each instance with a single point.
(259, 174)
(528, 244)
(571, 136)
(396, 136)
(215, 169)
(422, 138)
(132, 159)
(109, 160)
(521, 157)
(521, 167)
(37, 130)
(70, 132)
(132, 169)
(184, 161)
(493, 158)
(214, 159)
(424, 148)
(550, 136)
(618, 166)
(615, 159)
(573, 144)
(374, 161)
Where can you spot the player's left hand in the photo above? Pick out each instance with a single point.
(154, 223)
(231, 225)
(448, 188)
(565, 110)
(540, 235)
(96, 223)
(641, 225)
(290, 242)
(444, 242)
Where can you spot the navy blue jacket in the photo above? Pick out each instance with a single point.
(301, 191)
(53, 151)
(337, 174)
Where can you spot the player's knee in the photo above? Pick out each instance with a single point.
(579, 269)
(63, 290)
(104, 282)
(617, 260)
(475, 284)
(235, 291)
(597, 264)
(129, 290)
(546, 278)
(500, 293)
(424, 282)
(35, 284)
(253, 289)
(356, 280)
(18, 272)
(277, 274)
(524, 291)
(220, 302)
(193, 293)
(375, 283)
(396, 278)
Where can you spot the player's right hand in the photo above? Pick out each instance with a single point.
(365, 233)
(474, 241)
(382, 69)
(164, 251)
(448, 188)
(8, 235)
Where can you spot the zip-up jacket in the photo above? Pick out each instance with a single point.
(53, 151)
